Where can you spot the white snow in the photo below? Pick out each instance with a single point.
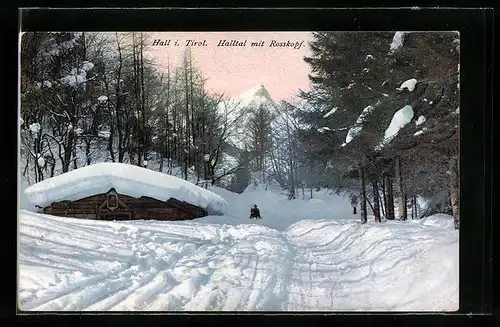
(74, 80)
(323, 129)
(78, 131)
(397, 41)
(330, 112)
(35, 127)
(144, 163)
(87, 65)
(102, 98)
(365, 70)
(354, 131)
(334, 264)
(400, 119)
(126, 179)
(420, 120)
(70, 127)
(420, 132)
(41, 162)
(409, 84)
(105, 134)
(44, 84)
(369, 57)
(206, 157)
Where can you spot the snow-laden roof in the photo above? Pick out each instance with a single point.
(126, 179)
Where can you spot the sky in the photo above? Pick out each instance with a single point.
(234, 69)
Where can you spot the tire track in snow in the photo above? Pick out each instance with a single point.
(62, 290)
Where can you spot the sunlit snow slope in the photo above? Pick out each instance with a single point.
(330, 265)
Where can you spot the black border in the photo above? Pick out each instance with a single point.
(476, 34)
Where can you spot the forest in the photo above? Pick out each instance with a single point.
(381, 119)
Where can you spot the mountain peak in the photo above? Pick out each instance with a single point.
(259, 90)
(256, 94)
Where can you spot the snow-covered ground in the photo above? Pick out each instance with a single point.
(303, 255)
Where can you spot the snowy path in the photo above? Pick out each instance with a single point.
(332, 265)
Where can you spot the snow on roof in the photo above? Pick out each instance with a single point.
(409, 84)
(126, 179)
(402, 117)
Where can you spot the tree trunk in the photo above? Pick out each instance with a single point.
(415, 205)
(362, 198)
(376, 201)
(384, 198)
(399, 185)
(390, 198)
(455, 189)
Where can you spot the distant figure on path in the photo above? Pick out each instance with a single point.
(255, 213)
(354, 203)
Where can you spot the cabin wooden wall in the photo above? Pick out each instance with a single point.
(130, 208)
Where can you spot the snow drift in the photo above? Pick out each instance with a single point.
(70, 264)
(126, 179)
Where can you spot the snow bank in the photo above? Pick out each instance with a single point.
(400, 119)
(126, 179)
(70, 264)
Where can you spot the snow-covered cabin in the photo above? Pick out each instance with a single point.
(116, 191)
